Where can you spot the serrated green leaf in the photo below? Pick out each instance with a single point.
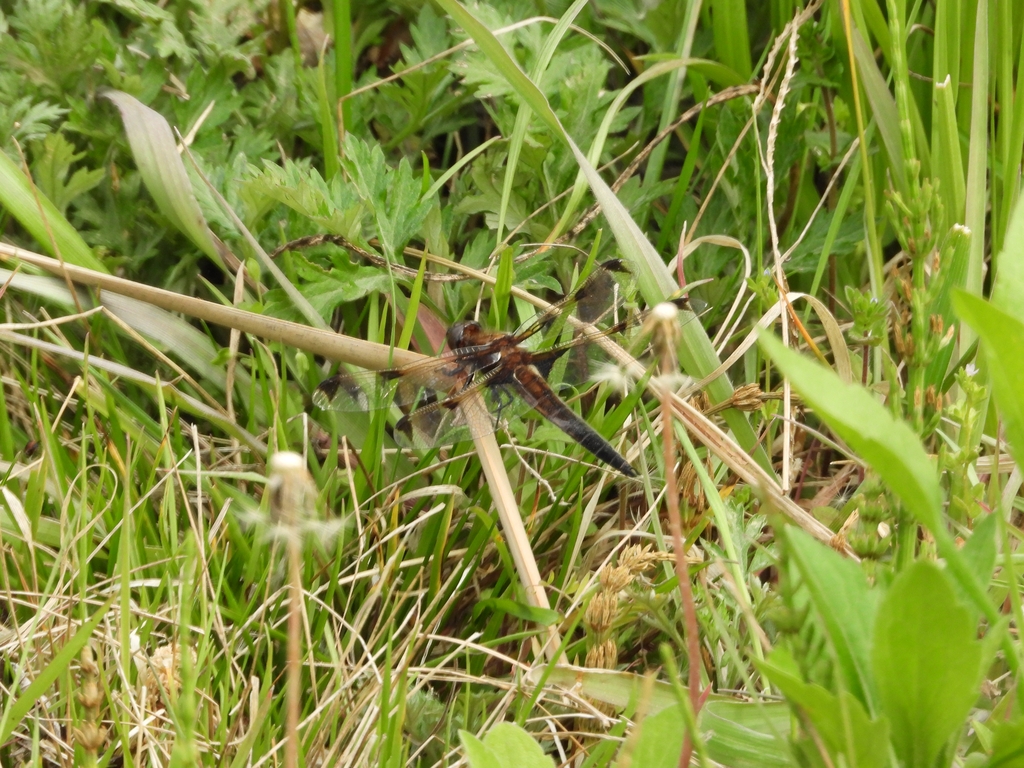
(330, 290)
(51, 169)
(393, 195)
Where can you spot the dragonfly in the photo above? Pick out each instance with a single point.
(438, 395)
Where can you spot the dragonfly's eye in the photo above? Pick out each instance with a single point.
(462, 334)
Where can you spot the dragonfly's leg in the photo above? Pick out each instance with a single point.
(503, 398)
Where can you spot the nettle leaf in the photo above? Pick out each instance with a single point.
(26, 121)
(927, 662)
(55, 156)
(333, 205)
(223, 31)
(394, 195)
(330, 289)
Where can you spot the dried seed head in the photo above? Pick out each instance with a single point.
(700, 402)
(663, 326)
(747, 398)
(689, 488)
(289, 486)
(164, 667)
(604, 655)
(601, 611)
(615, 579)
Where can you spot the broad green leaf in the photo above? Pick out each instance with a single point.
(841, 597)
(477, 753)
(927, 662)
(1007, 744)
(658, 742)
(840, 720)
(506, 745)
(16, 196)
(889, 446)
(980, 550)
(610, 686)
(744, 734)
(738, 734)
(156, 156)
(1002, 337)
(1009, 281)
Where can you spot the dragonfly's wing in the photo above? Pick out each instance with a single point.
(581, 359)
(457, 418)
(592, 301)
(407, 387)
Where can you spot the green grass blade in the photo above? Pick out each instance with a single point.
(17, 197)
(977, 197)
(949, 163)
(18, 708)
(515, 144)
(157, 158)
(883, 107)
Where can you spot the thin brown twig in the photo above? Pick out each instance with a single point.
(666, 330)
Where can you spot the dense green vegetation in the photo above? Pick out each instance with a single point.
(177, 588)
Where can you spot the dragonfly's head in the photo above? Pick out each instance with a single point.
(464, 334)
